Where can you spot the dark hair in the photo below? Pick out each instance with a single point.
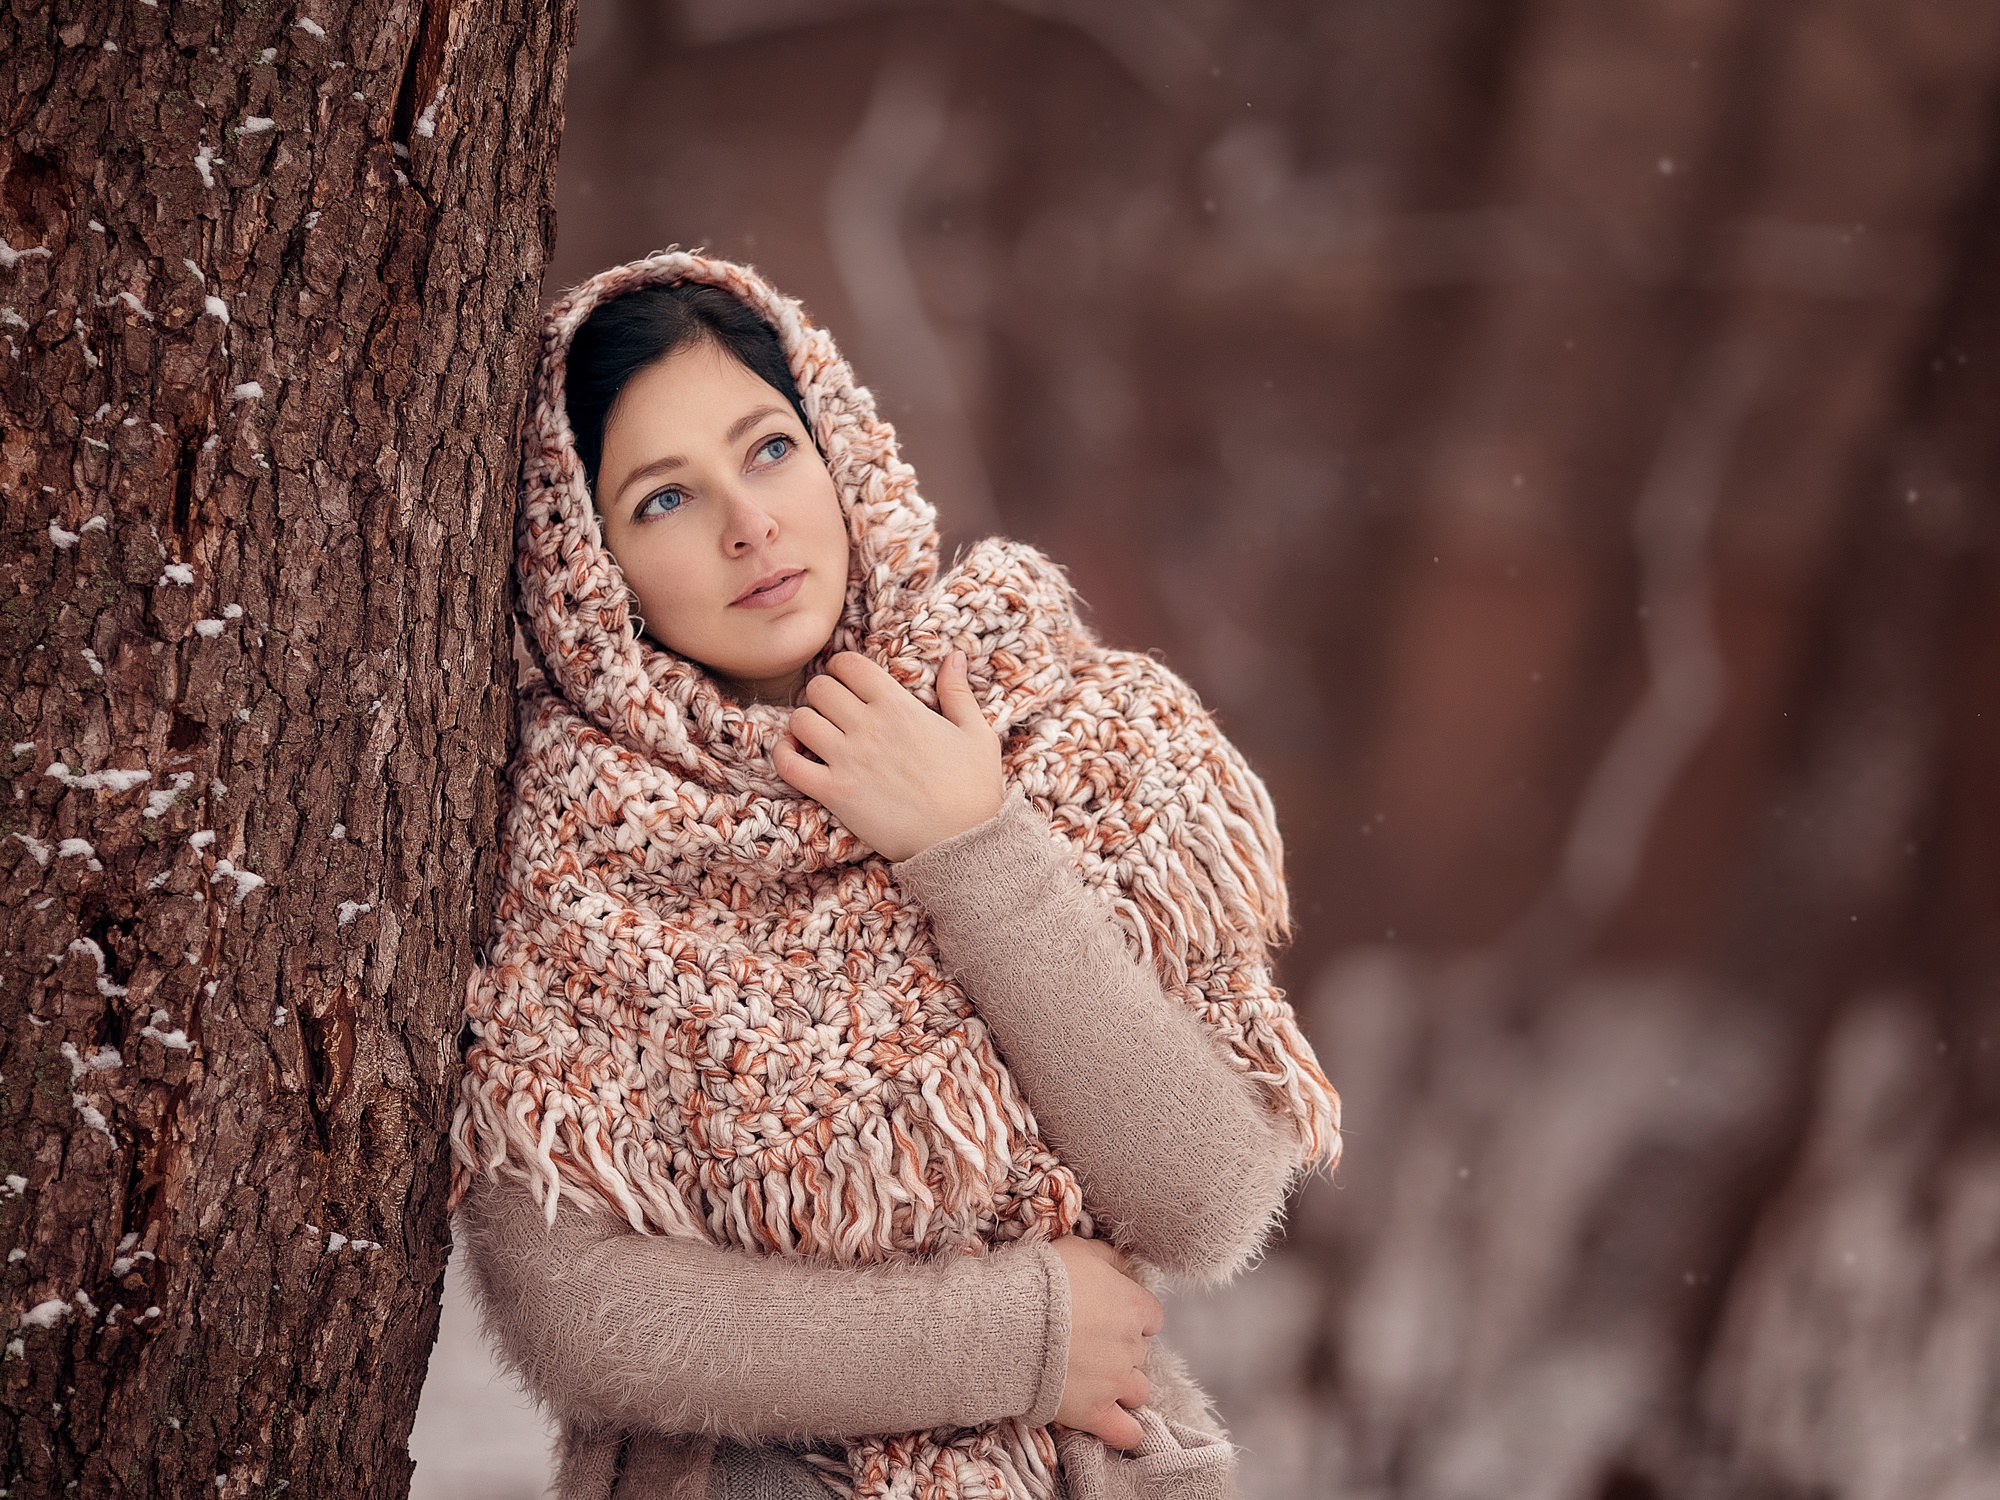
(623, 336)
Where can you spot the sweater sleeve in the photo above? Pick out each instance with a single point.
(609, 1326)
(1173, 1145)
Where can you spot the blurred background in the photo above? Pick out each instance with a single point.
(1560, 440)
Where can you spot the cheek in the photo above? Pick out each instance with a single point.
(830, 532)
(667, 579)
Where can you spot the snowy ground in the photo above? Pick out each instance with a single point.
(477, 1437)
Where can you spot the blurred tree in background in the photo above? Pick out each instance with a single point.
(1560, 440)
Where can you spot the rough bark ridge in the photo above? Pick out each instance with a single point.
(270, 280)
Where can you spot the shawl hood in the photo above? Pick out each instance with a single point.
(576, 607)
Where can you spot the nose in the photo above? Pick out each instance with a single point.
(746, 525)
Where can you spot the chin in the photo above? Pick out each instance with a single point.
(778, 663)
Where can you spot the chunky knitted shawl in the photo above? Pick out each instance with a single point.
(707, 1007)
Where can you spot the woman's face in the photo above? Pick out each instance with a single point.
(724, 520)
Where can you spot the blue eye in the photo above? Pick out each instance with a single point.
(645, 508)
(774, 449)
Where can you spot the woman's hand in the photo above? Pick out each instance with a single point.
(1110, 1318)
(900, 777)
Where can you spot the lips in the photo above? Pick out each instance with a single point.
(771, 589)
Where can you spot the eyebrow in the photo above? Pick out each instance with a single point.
(671, 461)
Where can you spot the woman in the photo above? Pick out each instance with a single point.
(878, 1006)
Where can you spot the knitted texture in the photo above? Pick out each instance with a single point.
(709, 1008)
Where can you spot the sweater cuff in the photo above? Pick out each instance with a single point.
(1055, 1339)
(985, 873)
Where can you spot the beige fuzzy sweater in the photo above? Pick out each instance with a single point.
(675, 1367)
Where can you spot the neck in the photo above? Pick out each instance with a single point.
(780, 690)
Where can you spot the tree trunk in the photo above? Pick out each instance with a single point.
(271, 280)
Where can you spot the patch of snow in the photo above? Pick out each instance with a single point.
(109, 45)
(347, 911)
(100, 523)
(312, 219)
(10, 257)
(16, 1185)
(93, 1117)
(64, 540)
(83, 1301)
(159, 880)
(111, 780)
(268, 55)
(194, 270)
(75, 849)
(90, 658)
(106, 985)
(45, 1314)
(204, 159)
(255, 124)
(243, 715)
(278, 1016)
(11, 319)
(246, 882)
(35, 847)
(310, 27)
(339, 830)
(103, 1060)
(95, 227)
(427, 121)
(16, 1256)
(215, 307)
(232, 611)
(18, 1348)
(132, 301)
(162, 1030)
(158, 803)
(180, 573)
(22, 747)
(250, 390)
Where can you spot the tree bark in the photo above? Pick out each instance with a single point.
(270, 291)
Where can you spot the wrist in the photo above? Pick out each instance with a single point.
(964, 824)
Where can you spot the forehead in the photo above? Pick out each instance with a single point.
(692, 395)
